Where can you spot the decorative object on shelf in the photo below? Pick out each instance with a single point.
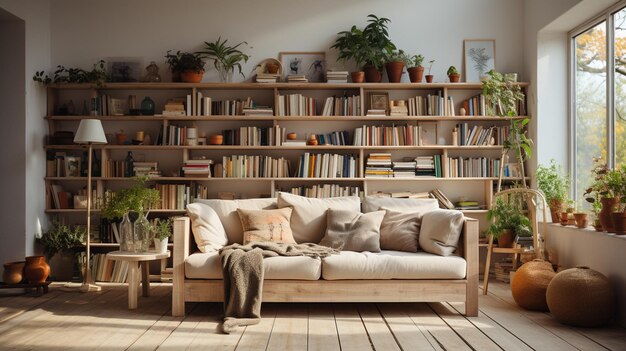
(415, 68)
(310, 64)
(161, 230)
(202, 138)
(192, 136)
(398, 108)
(89, 132)
(190, 66)
(216, 139)
(530, 283)
(396, 61)
(378, 101)
(153, 75)
(128, 165)
(13, 272)
(479, 58)
(127, 238)
(139, 137)
(123, 69)
(509, 221)
(312, 140)
(581, 297)
(292, 136)
(455, 137)
(121, 137)
(453, 74)
(172, 61)
(554, 184)
(98, 75)
(462, 111)
(581, 220)
(142, 234)
(72, 166)
(147, 106)
(269, 70)
(36, 269)
(429, 76)
(225, 57)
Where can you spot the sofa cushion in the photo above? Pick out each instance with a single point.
(440, 231)
(308, 220)
(374, 203)
(227, 212)
(266, 225)
(207, 227)
(207, 266)
(392, 265)
(400, 230)
(353, 231)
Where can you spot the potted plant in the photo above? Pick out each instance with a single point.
(396, 60)
(554, 184)
(351, 45)
(508, 221)
(378, 45)
(453, 75)
(225, 57)
(161, 229)
(415, 68)
(602, 192)
(97, 75)
(596, 207)
(191, 67)
(429, 77)
(581, 219)
(616, 180)
(173, 60)
(60, 242)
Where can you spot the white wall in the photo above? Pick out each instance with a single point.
(86, 31)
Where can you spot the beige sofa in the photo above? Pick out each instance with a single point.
(385, 276)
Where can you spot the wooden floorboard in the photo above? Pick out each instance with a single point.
(64, 320)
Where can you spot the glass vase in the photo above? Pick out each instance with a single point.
(126, 234)
(226, 75)
(142, 233)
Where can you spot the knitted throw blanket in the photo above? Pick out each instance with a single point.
(242, 267)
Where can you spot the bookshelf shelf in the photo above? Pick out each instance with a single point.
(158, 118)
(282, 147)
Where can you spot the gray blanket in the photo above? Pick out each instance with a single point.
(242, 267)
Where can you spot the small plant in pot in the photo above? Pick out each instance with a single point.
(554, 184)
(172, 61)
(508, 221)
(396, 61)
(378, 45)
(190, 66)
(351, 45)
(602, 192)
(429, 76)
(415, 68)
(453, 75)
(61, 242)
(225, 57)
(161, 229)
(616, 180)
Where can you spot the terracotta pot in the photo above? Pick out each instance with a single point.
(357, 77)
(506, 238)
(36, 269)
(216, 139)
(556, 207)
(564, 218)
(292, 136)
(394, 71)
(581, 220)
(272, 68)
(429, 78)
(13, 272)
(416, 74)
(191, 76)
(372, 74)
(619, 222)
(608, 206)
(454, 78)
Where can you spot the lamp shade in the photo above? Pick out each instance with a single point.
(90, 131)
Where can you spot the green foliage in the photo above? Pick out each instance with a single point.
(225, 56)
(189, 62)
(600, 187)
(137, 198)
(508, 215)
(415, 61)
(162, 228)
(503, 94)
(173, 60)
(553, 182)
(399, 56)
(61, 237)
(97, 75)
(351, 45)
(616, 181)
(452, 70)
(518, 141)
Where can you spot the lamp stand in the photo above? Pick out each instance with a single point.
(88, 283)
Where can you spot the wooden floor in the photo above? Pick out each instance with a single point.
(64, 320)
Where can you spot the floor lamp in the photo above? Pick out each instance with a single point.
(89, 132)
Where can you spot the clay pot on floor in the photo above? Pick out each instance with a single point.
(581, 220)
(556, 207)
(454, 78)
(36, 269)
(13, 272)
(357, 77)
(191, 76)
(372, 74)
(416, 74)
(394, 71)
(506, 238)
(619, 222)
(429, 78)
(608, 206)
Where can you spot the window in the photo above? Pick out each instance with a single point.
(598, 96)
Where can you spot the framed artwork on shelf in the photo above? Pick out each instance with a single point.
(429, 133)
(310, 64)
(72, 166)
(377, 101)
(124, 69)
(479, 58)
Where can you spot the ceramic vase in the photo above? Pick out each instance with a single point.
(36, 269)
(13, 272)
(608, 204)
(160, 245)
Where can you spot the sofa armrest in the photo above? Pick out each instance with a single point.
(181, 252)
(470, 252)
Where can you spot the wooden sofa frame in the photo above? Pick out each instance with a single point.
(211, 290)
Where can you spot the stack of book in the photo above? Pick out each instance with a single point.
(174, 196)
(337, 76)
(258, 111)
(404, 169)
(149, 169)
(443, 200)
(326, 190)
(376, 113)
(327, 166)
(403, 194)
(267, 77)
(297, 78)
(428, 166)
(379, 165)
(174, 107)
(245, 166)
(197, 168)
(342, 106)
(468, 205)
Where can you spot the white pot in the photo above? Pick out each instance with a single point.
(160, 246)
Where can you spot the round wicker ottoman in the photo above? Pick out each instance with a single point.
(530, 283)
(581, 297)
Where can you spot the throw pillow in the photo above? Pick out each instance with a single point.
(266, 225)
(440, 231)
(207, 227)
(353, 231)
(308, 221)
(400, 230)
(373, 203)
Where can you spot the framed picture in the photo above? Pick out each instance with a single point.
(479, 58)
(310, 64)
(378, 100)
(124, 69)
(428, 135)
(72, 166)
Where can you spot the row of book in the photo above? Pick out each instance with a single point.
(327, 166)
(325, 191)
(245, 166)
(206, 106)
(334, 138)
(402, 135)
(473, 167)
(105, 270)
(480, 105)
(119, 168)
(300, 105)
(429, 105)
(254, 136)
(480, 135)
(174, 196)
(342, 106)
